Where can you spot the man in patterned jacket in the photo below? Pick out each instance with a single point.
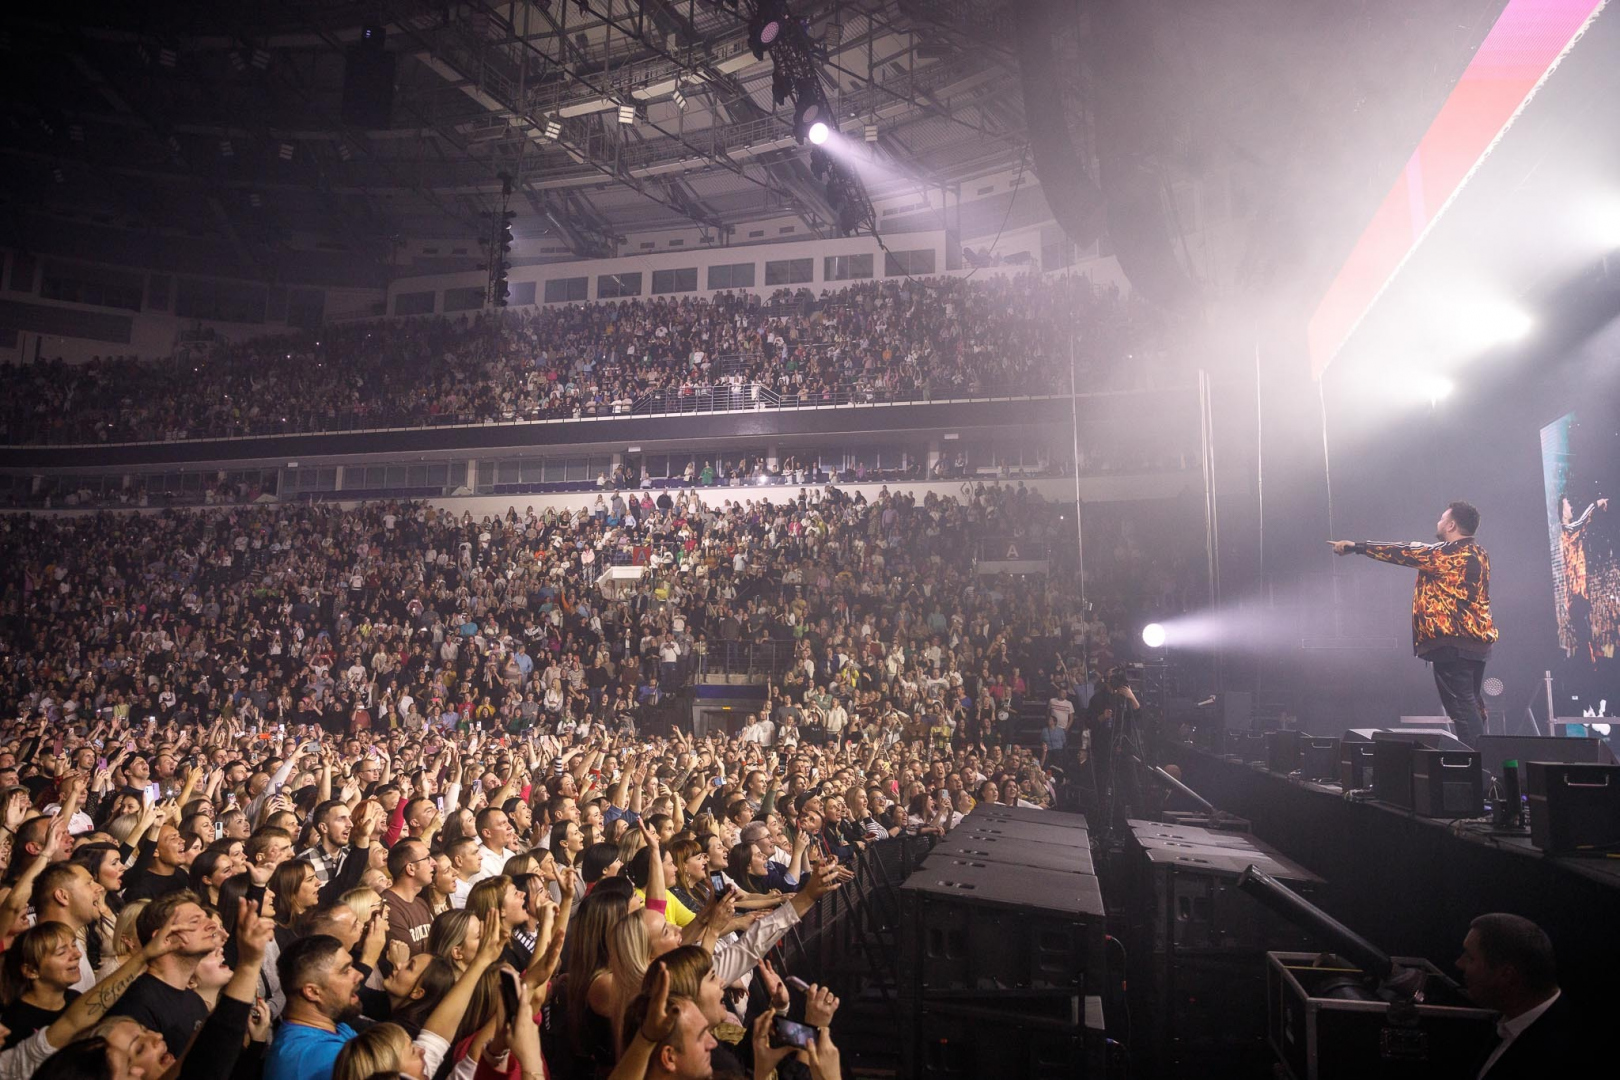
(1451, 610)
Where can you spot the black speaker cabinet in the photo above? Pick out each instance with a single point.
(1246, 745)
(1392, 771)
(995, 929)
(1447, 783)
(1319, 758)
(953, 1042)
(1574, 809)
(1282, 751)
(1356, 758)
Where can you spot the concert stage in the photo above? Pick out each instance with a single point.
(1412, 884)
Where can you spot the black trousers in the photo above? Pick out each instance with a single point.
(1460, 682)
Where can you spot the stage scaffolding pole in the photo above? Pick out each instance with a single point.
(1079, 532)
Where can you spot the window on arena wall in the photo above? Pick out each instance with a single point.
(919, 262)
(790, 272)
(522, 294)
(616, 286)
(674, 281)
(565, 290)
(413, 303)
(466, 298)
(847, 267)
(732, 276)
(225, 301)
(94, 285)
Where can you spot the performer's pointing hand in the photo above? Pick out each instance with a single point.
(1341, 547)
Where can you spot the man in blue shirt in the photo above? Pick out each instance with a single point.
(320, 982)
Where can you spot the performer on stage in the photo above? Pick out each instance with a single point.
(1451, 609)
(1572, 546)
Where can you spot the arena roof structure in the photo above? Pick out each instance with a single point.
(235, 138)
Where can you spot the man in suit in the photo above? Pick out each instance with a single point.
(1507, 965)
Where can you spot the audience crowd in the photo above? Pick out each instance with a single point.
(896, 338)
(302, 791)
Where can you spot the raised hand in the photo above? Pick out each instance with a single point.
(398, 954)
(825, 1063)
(766, 1056)
(169, 938)
(781, 1000)
(259, 1021)
(253, 932)
(819, 1006)
(661, 1015)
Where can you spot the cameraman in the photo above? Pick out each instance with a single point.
(1103, 717)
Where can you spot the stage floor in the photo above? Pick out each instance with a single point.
(1412, 884)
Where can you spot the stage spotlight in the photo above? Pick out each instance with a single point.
(818, 132)
(765, 27)
(1153, 636)
(1436, 388)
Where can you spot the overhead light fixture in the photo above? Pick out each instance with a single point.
(627, 114)
(285, 151)
(238, 61)
(255, 199)
(344, 153)
(76, 132)
(679, 99)
(57, 175)
(261, 58)
(553, 128)
(226, 149)
(765, 26)
(168, 57)
(871, 133)
(819, 132)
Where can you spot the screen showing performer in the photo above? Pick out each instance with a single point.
(1580, 459)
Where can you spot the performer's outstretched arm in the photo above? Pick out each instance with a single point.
(1417, 556)
(1579, 524)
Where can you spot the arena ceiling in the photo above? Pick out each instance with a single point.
(153, 132)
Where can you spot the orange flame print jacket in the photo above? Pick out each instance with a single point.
(1451, 606)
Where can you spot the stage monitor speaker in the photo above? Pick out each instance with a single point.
(1246, 746)
(1447, 784)
(1319, 758)
(1356, 758)
(1282, 750)
(1574, 808)
(368, 86)
(1393, 765)
(1496, 749)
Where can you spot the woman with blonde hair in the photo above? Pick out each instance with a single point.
(362, 902)
(123, 937)
(455, 936)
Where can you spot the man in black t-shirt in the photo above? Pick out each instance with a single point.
(162, 998)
